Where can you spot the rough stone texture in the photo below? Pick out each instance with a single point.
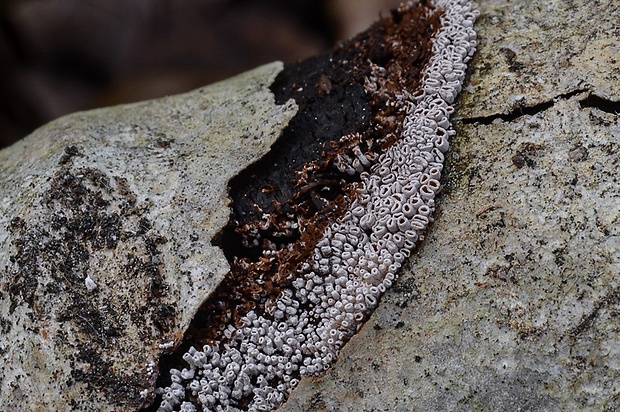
(533, 52)
(513, 300)
(106, 222)
(511, 303)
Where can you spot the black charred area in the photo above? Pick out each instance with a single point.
(333, 102)
(282, 204)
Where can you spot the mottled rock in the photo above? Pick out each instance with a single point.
(106, 226)
(512, 301)
(325, 221)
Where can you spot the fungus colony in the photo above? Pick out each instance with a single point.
(321, 225)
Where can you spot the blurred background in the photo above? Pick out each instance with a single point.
(61, 56)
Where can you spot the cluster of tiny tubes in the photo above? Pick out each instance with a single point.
(302, 332)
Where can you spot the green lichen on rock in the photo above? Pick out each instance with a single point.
(106, 226)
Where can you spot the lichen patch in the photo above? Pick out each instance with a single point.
(86, 218)
(106, 223)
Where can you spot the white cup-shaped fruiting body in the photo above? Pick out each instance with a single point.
(301, 331)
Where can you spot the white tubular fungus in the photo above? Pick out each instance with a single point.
(302, 332)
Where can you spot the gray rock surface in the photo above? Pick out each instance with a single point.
(512, 301)
(106, 223)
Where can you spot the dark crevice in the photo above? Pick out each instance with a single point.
(588, 320)
(605, 105)
(521, 110)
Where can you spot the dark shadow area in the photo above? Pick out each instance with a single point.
(606, 105)
(63, 56)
